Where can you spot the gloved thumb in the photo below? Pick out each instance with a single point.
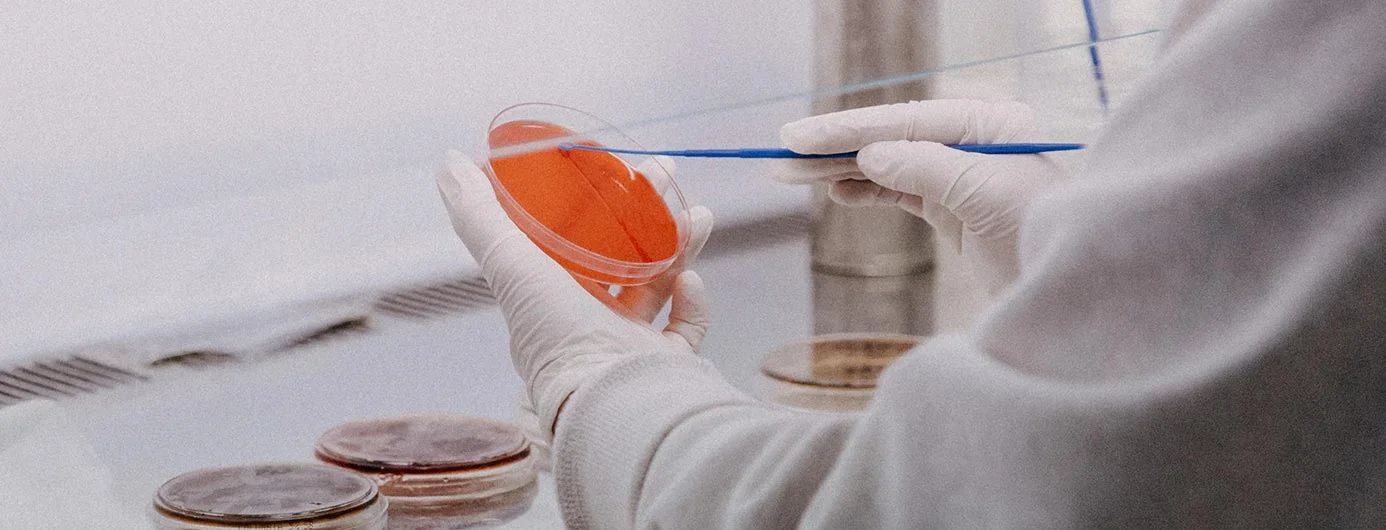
(688, 314)
(518, 273)
(476, 215)
(867, 193)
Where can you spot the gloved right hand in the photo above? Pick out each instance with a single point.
(974, 201)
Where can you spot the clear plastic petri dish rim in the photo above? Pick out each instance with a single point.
(830, 372)
(269, 495)
(583, 128)
(438, 471)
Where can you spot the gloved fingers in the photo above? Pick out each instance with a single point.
(984, 192)
(520, 275)
(913, 204)
(645, 301)
(602, 292)
(688, 314)
(867, 193)
(941, 121)
(991, 198)
(471, 203)
(930, 170)
(811, 170)
(658, 170)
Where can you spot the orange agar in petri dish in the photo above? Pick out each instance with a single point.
(590, 211)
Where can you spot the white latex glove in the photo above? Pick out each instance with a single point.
(561, 333)
(974, 201)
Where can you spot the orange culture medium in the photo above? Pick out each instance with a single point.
(591, 199)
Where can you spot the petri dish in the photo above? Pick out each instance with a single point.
(261, 496)
(592, 212)
(836, 372)
(438, 471)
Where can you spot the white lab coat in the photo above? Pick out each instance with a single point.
(1197, 338)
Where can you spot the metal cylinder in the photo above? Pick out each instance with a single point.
(873, 266)
(895, 304)
(870, 241)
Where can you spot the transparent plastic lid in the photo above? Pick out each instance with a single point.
(416, 444)
(617, 219)
(265, 493)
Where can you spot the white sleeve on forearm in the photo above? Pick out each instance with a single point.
(1197, 338)
(611, 426)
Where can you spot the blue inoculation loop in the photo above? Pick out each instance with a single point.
(986, 149)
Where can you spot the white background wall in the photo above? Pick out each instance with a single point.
(110, 108)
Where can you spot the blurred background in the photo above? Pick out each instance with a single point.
(228, 208)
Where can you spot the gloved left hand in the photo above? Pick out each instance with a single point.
(561, 333)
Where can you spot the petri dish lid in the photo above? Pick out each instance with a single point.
(415, 444)
(844, 360)
(264, 493)
(613, 229)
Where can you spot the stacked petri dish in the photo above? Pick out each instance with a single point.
(833, 372)
(438, 471)
(265, 496)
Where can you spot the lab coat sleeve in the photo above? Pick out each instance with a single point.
(1195, 339)
(612, 427)
(664, 442)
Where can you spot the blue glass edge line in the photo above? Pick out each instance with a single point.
(1094, 55)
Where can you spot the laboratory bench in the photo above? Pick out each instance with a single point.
(273, 409)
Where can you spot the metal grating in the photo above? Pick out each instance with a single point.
(471, 293)
(61, 378)
(74, 375)
(193, 359)
(342, 330)
(436, 300)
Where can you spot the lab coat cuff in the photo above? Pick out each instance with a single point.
(612, 426)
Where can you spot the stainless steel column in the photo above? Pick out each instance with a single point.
(873, 267)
